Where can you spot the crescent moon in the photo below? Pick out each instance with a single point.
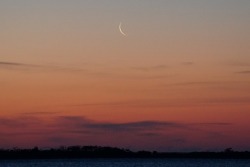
(120, 28)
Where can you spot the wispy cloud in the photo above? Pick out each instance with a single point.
(117, 103)
(244, 72)
(15, 64)
(155, 103)
(10, 64)
(83, 123)
(17, 122)
(239, 64)
(188, 63)
(213, 124)
(23, 66)
(132, 126)
(151, 68)
(194, 83)
(40, 113)
(229, 100)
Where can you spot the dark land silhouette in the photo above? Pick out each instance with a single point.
(111, 152)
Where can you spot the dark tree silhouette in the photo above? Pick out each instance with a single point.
(110, 152)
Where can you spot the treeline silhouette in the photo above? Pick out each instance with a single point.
(111, 152)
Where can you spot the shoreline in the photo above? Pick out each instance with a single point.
(95, 152)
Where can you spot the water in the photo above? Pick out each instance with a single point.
(127, 163)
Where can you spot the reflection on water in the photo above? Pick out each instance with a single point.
(126, 163)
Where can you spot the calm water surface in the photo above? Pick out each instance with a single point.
(127, 163)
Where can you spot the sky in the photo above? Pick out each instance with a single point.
(178, 81)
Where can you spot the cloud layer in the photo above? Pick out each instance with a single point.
(69, 130)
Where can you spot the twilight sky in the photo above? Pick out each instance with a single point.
(179, 80)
